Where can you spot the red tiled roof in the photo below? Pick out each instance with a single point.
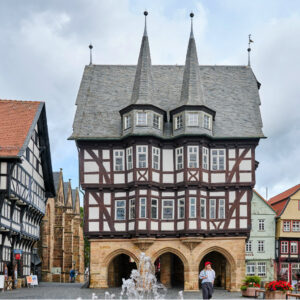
(16, 118)
(279, 201)
(284, 194)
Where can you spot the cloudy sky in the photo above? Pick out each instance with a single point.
(44, 48)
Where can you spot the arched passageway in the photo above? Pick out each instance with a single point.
(221, 266)
(169, 270)
(120, 267)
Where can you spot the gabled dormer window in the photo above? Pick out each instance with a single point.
(179, 121)
(192, 119)
(207, 121)
(141, 119)
(127, 122)
(156, 121)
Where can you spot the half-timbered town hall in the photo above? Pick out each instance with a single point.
(26, 181)
(167, 163)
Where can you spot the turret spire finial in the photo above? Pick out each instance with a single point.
(91, 53)
(145, 30)
(249, 48)
(192, 16)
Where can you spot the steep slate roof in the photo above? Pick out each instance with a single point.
(280, 201)
(74, 197)
(142, 92)
(56, 180)
(16, 125)
(232, 91)
(192, 90)
(66, 189)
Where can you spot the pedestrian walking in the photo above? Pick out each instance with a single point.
(72, 275)
(207, 275)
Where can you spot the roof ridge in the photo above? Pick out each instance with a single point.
(21, 101)
(283, 195)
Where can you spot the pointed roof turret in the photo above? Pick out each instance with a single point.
(192, 91)
(143, 82)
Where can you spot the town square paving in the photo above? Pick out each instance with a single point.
(51, 290)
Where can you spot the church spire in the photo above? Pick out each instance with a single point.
(192, 92)
(143, 82)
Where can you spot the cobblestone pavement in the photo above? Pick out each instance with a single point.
(52, 290)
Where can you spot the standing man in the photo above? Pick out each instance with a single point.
(207, 275)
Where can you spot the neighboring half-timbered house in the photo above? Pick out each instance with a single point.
(167, 163)
(25, 181)
(287, 207)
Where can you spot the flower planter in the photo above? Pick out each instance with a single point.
(250, 292)
(275, 295)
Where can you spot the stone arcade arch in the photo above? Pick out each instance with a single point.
(170, 265)
(222, 262)
(119, 264)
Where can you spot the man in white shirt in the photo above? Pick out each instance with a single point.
(207, 275)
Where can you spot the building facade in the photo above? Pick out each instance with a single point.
(26, 181)
(167, 163)
(260, 247)
(287, 207)
(61, 246)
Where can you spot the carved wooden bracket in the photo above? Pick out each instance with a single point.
(143, 243)
(191, 242)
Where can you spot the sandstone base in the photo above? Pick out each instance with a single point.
(228, 255)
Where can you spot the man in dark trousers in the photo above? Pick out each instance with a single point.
(207, 275)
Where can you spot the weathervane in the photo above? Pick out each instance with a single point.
(249, 49)
(91, 54)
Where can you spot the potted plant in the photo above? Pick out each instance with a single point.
(277, 289)
(250, 285)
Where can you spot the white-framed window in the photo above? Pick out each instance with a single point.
(142, 156)
(193, 207)
(261, 225)
(156, 121)
(141, 118)
(221, 208)
(249, 246)
(120, 209)
(284, 271)
(6, 209)
(155, 158)
(205, 157)
(129, 159)
(250, 269)
(127, 122)
(207, 121)
(179, 121)
(143, 207)
(294, 247)
(179, 158)
(284, 247)
(181, 208)
(217, 159)
(193, 119)
(286, 226)
(16, 216)
(295, 267)
(212, 208)
(203, 208)
(193, 157)
(131, 209)
(168, 209)
(261, 269)
(119, 160)
(154, 208)
(296, 226)
(260, 246)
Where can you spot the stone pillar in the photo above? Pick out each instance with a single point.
(165, 269)
(191, 278)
